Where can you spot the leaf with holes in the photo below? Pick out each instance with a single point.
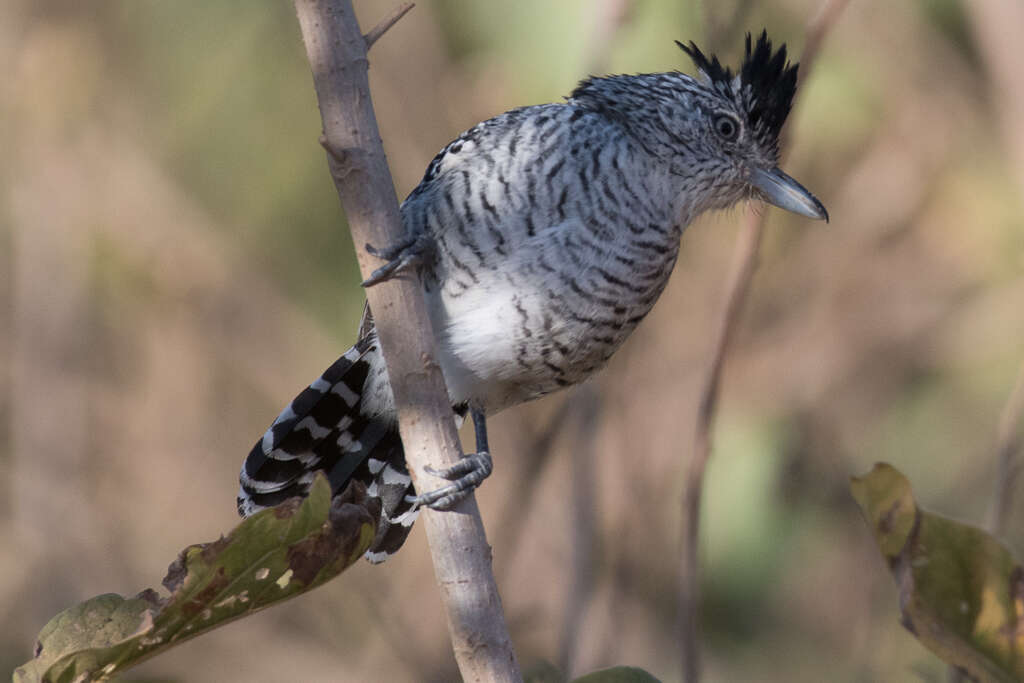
(961, 591)
(274, 555)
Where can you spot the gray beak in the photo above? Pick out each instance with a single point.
(779, 189)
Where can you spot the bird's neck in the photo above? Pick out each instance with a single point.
(635, 104)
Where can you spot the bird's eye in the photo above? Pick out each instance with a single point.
(727, 127)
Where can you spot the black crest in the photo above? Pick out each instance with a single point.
(767, 83)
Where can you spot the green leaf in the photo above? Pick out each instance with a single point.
(274, 555)
(618, 674)
(543, 671)
(961, 591)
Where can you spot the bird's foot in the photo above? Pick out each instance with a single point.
(465, 476)
(398, 256)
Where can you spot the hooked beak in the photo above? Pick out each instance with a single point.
(784, 192)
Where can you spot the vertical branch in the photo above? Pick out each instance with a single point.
(994, 25)
(462, 559)
(741, 273)
(539, 444)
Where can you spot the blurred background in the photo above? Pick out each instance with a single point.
(174, 267)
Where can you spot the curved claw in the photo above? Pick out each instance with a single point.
(399, 257)
(465, 476)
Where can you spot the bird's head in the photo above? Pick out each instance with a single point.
(716, 133)
(739, 118)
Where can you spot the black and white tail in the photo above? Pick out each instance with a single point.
(330, 427)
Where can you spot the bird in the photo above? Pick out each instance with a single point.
(542, 237)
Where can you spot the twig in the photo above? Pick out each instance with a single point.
(462, 559)
(582, 578)
(610, 17)
(718, 32)
(1007, 444)
(374, 34)
(741, 273)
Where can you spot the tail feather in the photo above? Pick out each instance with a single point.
(327, 427)
(297, 442)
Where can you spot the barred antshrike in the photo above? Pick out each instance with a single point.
(543, 236)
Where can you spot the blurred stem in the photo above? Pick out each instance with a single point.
(610, 18)
(1007, 445)
(721, 31)
(741, 273)
(336, 50)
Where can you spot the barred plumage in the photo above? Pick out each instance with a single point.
(543, 236)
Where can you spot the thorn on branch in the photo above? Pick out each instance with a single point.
(345, 159)
(374, 34)
(336, 154)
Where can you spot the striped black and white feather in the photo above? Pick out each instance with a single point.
(331, 427)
